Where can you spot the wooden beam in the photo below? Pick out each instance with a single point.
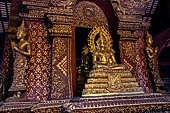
(5, 0)
(164, 63)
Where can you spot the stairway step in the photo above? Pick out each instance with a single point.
(127, 80)
(94, 91)
(97, 80)
(130, 84)
(126, 90)
(96, 86)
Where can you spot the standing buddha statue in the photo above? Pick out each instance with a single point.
(21, 50)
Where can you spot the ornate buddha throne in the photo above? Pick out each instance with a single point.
(107, 77)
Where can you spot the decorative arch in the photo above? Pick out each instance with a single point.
(92, 35)
(88, 14)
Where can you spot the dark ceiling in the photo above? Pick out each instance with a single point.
(4, 14)
(5, 6)
(161, 18)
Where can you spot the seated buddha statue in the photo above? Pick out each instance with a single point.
(104, 55)
(100, 56)
(107, 77)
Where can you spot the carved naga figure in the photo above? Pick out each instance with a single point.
(153, 63)
(21, 50)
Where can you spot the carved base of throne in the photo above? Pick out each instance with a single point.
(111, 80)
(16, 99)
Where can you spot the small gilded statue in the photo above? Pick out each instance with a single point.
(21, 50)
(153, 63)
(85, 57)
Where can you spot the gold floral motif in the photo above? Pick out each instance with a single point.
(129, 50)
(60, 49)
(38, 76)
(34, 33)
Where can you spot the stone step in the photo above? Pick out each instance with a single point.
(94, 91)
(98, 75)
(96, 86)
(130, 84)
(126, 90)
(97, 80)
(97, 92)
(127, 80)
(126, 75)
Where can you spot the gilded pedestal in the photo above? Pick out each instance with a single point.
(109, 81)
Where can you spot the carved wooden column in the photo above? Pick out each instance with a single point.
(61, 35)
(134, 20)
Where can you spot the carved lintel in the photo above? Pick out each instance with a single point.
(133, 26)
(129, 35)
(60, 19)
(38, 3)
(61, 30)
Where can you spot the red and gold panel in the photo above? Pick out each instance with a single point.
(141, 66)
(37, 79)
(61, 68)
(133, 57)
(127, 53)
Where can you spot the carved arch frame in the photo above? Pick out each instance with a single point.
(87, 14)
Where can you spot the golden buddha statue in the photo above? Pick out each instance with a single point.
(103, 56)
(21, 50)
(100, 56)
(153, 63)
(107, 77)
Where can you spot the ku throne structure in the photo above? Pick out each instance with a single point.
(51, 71)
(107, 77)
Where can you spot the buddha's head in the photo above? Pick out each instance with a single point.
(101, 42)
